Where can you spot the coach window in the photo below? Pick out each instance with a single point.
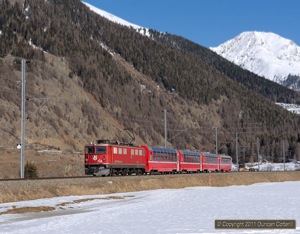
(215, 160)
(120, 150)
(125, 151)
(115, 150)
(158, 156)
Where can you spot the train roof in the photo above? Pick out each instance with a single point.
(113, 145)
(188, 152)
(164, 150)
(208, 154)
(225, 156)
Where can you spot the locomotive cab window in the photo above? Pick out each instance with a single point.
(100, 150)
(90, 150)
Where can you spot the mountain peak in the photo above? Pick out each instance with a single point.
(264, 53)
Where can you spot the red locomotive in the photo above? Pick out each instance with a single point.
(109, 158)
(115, 158)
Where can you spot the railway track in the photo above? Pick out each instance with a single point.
(141, 176)
(45, 178)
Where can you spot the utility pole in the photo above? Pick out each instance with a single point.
(216, 140)
(237, 148)
(257, 153)
(283, 155)
(23, 118)
(165, 124)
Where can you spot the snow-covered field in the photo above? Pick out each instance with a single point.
(268, 166)
(189, 210)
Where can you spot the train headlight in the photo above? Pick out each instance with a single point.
(95, 157)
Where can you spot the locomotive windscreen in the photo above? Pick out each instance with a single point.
(101, 150)
(90, 150)
(95, 150)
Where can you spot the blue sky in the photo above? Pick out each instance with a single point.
(209, 22)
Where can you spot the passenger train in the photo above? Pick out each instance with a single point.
(115, 158)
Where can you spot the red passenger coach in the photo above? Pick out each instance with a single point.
(225, 163)
(215, 162)
(190, 161)
(161, 160)
(210, 162)
(113, 158)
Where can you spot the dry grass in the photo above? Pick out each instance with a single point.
(91, 199)
(21, 210)
(48, 163)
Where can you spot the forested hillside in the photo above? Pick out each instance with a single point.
(89, 78)
(265, 87)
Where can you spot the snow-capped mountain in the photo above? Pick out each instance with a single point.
(115, 19)
(265, 54)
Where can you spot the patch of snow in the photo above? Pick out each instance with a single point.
(268, 166)
(50, 151)
(115, 19)
(290, 107)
